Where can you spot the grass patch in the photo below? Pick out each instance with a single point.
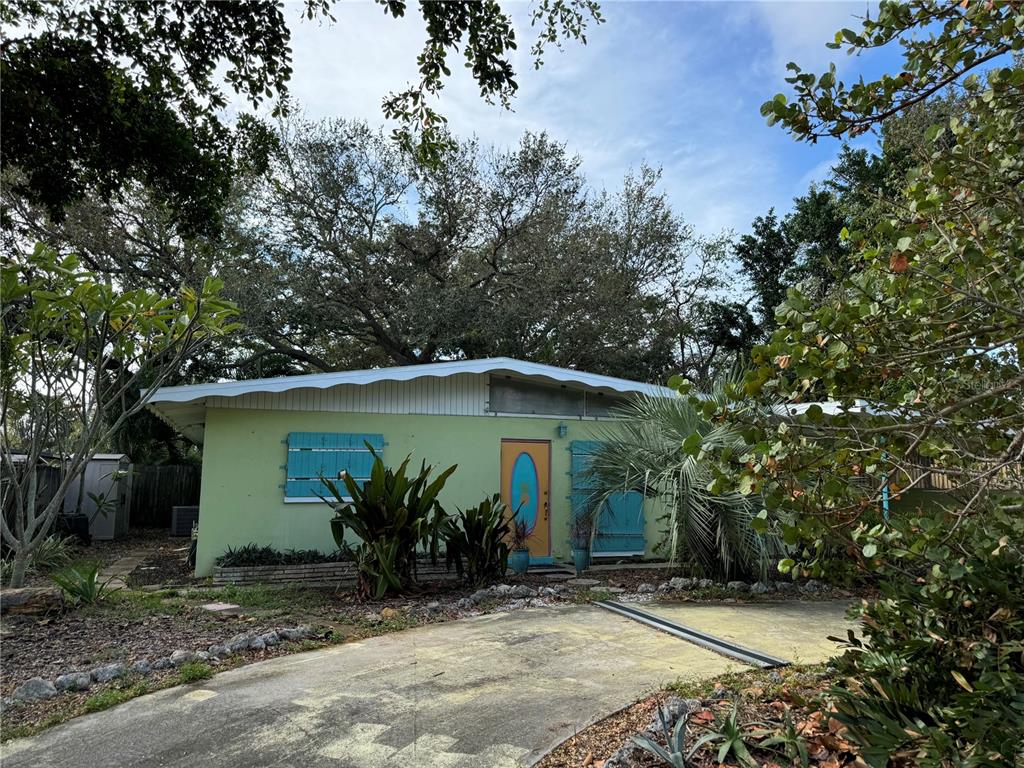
(770, 681)
(191, 671)
(131, 604)
(589, 595)
(383, 626)
(31, 729)
(266, 599)
(110, 697)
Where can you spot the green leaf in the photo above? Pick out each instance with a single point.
(692, 444)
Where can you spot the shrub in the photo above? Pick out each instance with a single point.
(82, 583)
(664, 447)
(475, 541)
(253, 554)
(54, 552)
(392, 514)
(940, 680)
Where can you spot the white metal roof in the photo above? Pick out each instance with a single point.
(190, 392)
(184, 407)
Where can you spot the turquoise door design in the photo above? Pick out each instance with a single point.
(620, 525)
(524, 490)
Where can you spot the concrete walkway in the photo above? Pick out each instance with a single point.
(491, 691)
(115, 575)
(794, 631)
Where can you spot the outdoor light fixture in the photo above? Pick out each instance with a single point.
(563, 430)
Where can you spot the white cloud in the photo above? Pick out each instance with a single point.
(798, 31)
(672, 84)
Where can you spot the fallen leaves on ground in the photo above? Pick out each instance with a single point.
(765, 704)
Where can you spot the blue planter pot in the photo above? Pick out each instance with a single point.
(519, 561)
(581, 559)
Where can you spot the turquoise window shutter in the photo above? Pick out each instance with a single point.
(312, 455)
(620, 525)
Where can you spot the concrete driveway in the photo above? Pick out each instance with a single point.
(496, 690)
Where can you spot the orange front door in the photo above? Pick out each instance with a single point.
(525, 487)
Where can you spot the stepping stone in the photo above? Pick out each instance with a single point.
(219, 607)
(583, 582)
(115, 575)
(558, 576)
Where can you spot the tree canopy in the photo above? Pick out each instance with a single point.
(97, 95)
(363, 258)
(917, 350)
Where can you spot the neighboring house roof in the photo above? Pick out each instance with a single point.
(184, 407)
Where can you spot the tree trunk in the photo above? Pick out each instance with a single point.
(20, 565)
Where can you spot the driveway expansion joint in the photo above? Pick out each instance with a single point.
(703, 639)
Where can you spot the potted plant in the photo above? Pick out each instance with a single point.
(519, 556)
(579, 539)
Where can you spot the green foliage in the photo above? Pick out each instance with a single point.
(659, 447)
(107, 95)
(731, 738)
(392, 514)
(476, 540)
(939, 678)
(962, 37)
(675, 741)
(100, 95)
(485, 34)
(52, 553)
(585, 279)
(788, 740)
(920, 348)
(765, 255)
(110, 697)
(81, 583)
(68, 329)
(254, 554)
(192, 671)
(730, 735)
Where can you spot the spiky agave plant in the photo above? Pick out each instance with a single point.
(651, 448)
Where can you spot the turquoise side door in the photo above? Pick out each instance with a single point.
(620, 525)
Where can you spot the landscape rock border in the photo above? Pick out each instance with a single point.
(40, 689)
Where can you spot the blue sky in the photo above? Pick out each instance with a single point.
(674, 84)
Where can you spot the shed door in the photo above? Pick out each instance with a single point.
(620, 526)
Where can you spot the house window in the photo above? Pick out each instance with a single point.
(313, 455)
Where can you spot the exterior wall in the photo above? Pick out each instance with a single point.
(463, 394)
(244, 451)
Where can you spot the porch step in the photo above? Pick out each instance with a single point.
(548, 569)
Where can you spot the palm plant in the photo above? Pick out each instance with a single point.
(655, 448)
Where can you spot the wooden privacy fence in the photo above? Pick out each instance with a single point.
(156, 489)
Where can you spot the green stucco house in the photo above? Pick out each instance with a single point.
(520, 428)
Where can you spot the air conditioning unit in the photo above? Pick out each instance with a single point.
(182, 520)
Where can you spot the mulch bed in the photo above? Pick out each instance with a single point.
(75, 640)
(765, 699)
(166, 565)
